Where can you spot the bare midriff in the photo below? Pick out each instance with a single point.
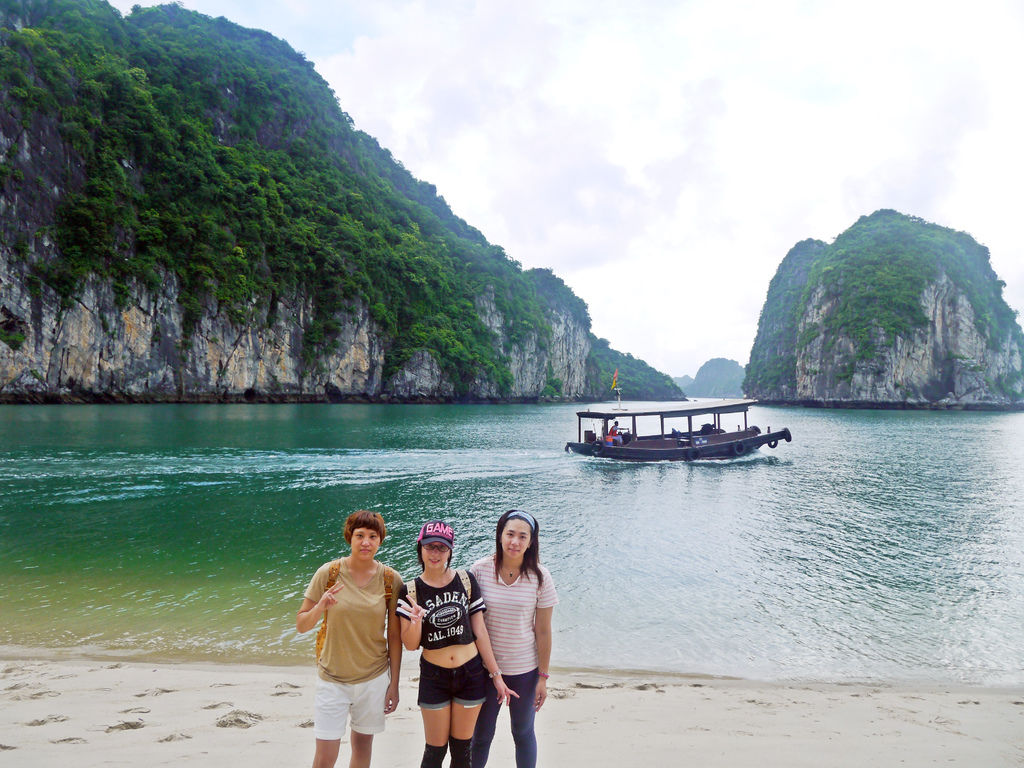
(450, 656)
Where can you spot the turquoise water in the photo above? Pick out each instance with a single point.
(876, 545)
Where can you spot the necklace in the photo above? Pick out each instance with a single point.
(512, 570)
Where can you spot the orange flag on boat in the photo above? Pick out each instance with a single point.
(615, 377)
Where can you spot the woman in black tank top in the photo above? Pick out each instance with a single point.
(442, 612)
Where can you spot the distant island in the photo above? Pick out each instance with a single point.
(186, 214)
(897, 312)
(717, 377)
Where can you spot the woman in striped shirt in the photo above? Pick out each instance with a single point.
(520, 596)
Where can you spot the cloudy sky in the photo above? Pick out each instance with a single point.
(663, 158)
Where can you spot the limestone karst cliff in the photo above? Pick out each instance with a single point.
(897, 312)
(105, 348)
(186, 213)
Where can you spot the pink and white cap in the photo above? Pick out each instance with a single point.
(437, 531)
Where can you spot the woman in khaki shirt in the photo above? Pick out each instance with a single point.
(361, 654)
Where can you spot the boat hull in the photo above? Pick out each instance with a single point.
(637, 451)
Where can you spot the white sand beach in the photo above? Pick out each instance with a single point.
(61, 710)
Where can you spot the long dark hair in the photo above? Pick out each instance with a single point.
(531, 557)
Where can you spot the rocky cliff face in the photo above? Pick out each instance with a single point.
(563, 353)
(946, 363)
(101, 350)
(896, 313)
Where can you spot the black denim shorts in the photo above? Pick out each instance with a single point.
(440, 686)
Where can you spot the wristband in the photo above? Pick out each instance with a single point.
(495, 673)
(545, 675)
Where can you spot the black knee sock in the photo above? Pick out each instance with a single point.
(433, 756)
(462, 752)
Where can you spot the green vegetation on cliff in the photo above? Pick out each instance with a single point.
(638, 380)
(872, 278)
(216, 154)
(772, 364)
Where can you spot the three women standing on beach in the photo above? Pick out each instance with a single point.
(367, 610)
(442, 611)
(520, 597)
(360, 655)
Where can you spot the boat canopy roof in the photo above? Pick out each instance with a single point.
(680, 411)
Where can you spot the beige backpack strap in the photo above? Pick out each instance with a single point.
(389, 586)
(332, 577)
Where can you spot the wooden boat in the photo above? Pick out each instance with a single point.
(671, 443)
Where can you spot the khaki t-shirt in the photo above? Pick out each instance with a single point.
(356, 646)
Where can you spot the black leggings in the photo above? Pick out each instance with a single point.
(462, 754)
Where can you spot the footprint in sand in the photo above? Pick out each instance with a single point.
(5, 747)
(126, 725)
(154, 692)
(218, 705)
(239, 718)
(306, 724)
(41, 695)
(70, 740)
(136, 711)
(174, 737)
(16, 687)
(289, 692)
(48, 719)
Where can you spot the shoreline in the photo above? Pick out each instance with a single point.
(90, 711)
(99, 654)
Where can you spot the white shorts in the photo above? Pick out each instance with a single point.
(335, 700)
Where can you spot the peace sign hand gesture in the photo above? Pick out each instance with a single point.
(415, 610)
(330, 597)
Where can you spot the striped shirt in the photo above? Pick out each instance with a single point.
(511, 614)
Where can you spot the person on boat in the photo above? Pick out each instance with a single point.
(521, 597)
(442, 611)
(359, 651)
(613, 433)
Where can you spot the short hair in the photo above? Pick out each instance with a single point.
(363, 518)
